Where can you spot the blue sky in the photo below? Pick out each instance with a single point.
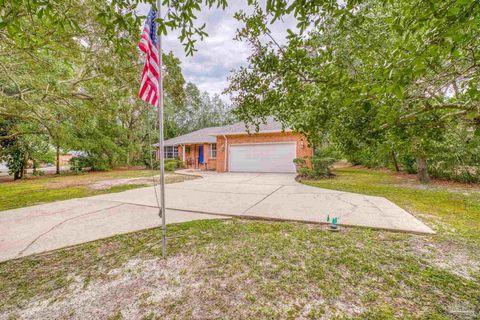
(218, 54)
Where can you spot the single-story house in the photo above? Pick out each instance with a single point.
(234, 148)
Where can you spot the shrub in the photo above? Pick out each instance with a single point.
(318, 166)
(38, 173)
(444, 170)
(302, 166)
(409, 164)
(78, 164)
(100, 166)
(170, 164)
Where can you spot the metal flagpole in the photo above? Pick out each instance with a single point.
(162, 210)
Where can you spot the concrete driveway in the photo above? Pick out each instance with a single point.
(265, 196)
(275, 196)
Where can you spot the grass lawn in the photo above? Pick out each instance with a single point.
(37, 190)
(452, 209)
(237, 269)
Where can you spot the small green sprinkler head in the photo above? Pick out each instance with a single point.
(333, 225)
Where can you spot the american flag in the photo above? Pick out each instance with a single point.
(150, 75)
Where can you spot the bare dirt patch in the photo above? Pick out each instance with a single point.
(240, 269)
(102, 182)
(448, 255)
(107, 184)
(149, 181)
(130, 290)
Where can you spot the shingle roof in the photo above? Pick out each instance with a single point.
(208, 135)
(205, 135)
(241, 128)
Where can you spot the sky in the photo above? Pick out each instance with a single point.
(218, 54)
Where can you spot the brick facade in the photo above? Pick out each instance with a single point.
(220, 162)
(302, 147)
(191, 156)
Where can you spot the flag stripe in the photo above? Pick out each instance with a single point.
(151, 71)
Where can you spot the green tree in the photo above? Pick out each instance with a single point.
(382, 80)
(120, 18)
(75, 91)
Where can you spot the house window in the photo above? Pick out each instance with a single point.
(213, 151)
(170, 152)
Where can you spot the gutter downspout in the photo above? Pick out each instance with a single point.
(183, 153)
(226, 154)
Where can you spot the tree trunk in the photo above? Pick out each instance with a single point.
(22, 172)
(395, 162)
(422, 170)
(57, 170)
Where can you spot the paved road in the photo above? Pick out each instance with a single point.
(272, 196)
(47, 170)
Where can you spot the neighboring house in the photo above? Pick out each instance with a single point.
(232, 148)
(64, 159)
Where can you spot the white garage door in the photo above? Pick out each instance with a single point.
(268, 157)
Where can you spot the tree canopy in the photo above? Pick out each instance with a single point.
(121, 18)
(384, 82)
(380, 80)
(77, 89)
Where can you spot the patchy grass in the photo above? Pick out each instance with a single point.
(238, 269)
(23, 193)
(454, 211)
